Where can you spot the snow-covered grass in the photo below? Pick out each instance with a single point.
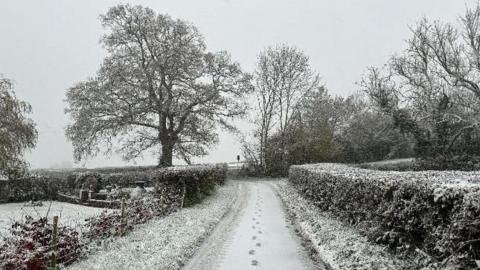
(72, 215)
(166, 242)
(336, 243)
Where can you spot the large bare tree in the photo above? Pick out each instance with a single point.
(17, 131)
(282, 78)
(157, 87)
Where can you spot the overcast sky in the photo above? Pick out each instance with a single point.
(47, 46)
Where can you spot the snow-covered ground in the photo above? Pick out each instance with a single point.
(244, 225)
(69, 214)
(255, 235)
(336, 243)
(166, 242)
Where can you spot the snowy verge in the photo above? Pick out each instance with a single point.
(433, 214)
(336, 244)
(166, 242)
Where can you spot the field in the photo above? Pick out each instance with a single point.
(72, 215)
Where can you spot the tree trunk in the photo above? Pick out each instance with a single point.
(167, 155)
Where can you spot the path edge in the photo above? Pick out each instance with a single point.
(210, 246)
(306, 241)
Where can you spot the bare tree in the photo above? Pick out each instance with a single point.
(266, 91)
(283, 77)
(432, 88)
(158, 86)
(17, 131)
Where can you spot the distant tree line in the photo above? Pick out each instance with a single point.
(431, 91)
(297, 121)
(424, 103)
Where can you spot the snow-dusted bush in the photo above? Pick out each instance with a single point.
(331, 241)
(431, 212)
(165, 243)
(174, 188)
(47, 184)
(89, 180)
(30, 188)
(128, 178)
(109, 224)
(29, 245)
(196, 182)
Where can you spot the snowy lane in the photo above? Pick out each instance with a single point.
(163, 243)
(256, 235)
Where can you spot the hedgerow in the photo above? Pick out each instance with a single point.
(197, 182)
(200, 180)
(30, 188)
(29, 243)
(432, 213)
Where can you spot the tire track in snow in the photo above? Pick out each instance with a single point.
(209, 256)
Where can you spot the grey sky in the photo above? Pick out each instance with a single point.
(46, 46)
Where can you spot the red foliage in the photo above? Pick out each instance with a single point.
(29, 245)
(136, 212)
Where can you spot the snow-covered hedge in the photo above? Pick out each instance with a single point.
(164, 243)
(30, 188)
(330, 241)
(196, 182)
(199, 181)
(29, 245)
(432, 213)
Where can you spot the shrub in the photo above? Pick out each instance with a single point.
(174, 187)
(30, 188)
(196, 182)
(433, 212)
(109, 224)
(47, 184)
(29, 245)
(89, 180)
(128, 178)
(441, 163)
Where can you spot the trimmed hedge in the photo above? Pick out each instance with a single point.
(196, 182)
(31, 188)
(199, 181)
(433, 213)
